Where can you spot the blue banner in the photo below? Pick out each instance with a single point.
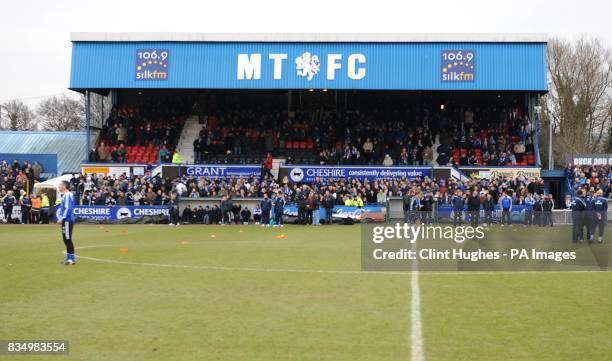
(308, 173)
(117, 212)
(263, 65)
(371, 213)
(218, 171)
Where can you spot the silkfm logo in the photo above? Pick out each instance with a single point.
(307, 65)
(152, 64)
(458, 66)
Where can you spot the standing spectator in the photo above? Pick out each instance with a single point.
(427, 208)
(121, 153)
(381, 196)
(547, 207)
(316, 203)
(37, 169)
(268, 167)
(506, 205)
(328, 204)
(8, 202)
(266, 207)
(474, 208)
(36, 205)
(279, 206)
(537, 210)
(93, 155)
(427, 156)
(45, 209)
(489, 206)
(121, 134)
(103, 152)
(368, 149)
(163, 155)
(529, 203)
(174, 210)
(197, 149)
(406, 205)
(458, 205)
(26, 207)
(176, 158)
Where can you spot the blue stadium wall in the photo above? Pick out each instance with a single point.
(381, 66)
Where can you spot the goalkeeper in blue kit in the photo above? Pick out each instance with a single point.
(65, 217)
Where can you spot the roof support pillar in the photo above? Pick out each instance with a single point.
(87, 124)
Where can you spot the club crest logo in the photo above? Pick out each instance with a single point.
(296, 174)
(124, 213)
(307, 65)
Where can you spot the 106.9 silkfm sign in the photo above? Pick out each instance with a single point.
(458, 66)
(152, 64)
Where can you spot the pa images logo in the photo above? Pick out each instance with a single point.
(296, 174)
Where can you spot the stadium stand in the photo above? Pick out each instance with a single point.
(590, 178)
(407, 134)
(147, 133)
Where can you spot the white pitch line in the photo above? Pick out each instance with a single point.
(93, 246)
(416, 323)
(243, 269)
(253, 269)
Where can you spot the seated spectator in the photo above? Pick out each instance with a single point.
(387, 162)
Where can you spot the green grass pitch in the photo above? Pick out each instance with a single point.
(153, 292)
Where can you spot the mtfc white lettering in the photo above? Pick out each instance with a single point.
(307, 65)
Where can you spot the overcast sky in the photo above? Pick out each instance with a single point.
(35, 45)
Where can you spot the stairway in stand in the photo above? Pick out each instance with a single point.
(190, 133)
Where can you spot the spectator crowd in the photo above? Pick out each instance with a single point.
(464, 136)
(17, 190)
(414, 134)
(590, 178)
(155, 124)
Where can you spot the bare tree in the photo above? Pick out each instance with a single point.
(16, 115)
(609, 147)
(61, 113)
(580, 95)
